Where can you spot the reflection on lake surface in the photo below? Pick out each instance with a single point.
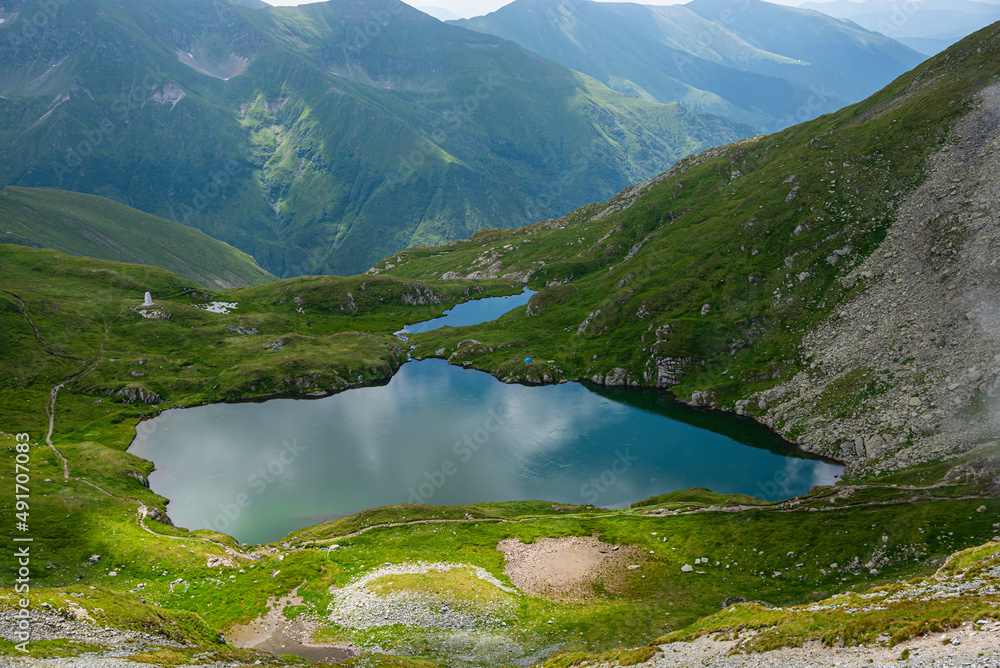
(445, 435)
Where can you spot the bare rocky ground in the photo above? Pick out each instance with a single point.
(363, 605)
(567, 568)
(469, 631)
(924, 323)
(76, 624)
(53, 626)
(564, 569)
(975, 643)
(978, 646)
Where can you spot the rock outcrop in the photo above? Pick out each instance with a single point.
(131, 394)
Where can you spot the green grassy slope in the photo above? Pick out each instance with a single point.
(97, 227)
(72, 323)
(619, 286)
(293, 135)
(894, 612)
(712, 59)
(711, 276)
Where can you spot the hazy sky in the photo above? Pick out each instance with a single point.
(470, 8)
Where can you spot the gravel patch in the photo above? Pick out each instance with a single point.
(977, 648)
(274, 633)
(972, 644)
(53, 626)
(568, 568)
(360, 606)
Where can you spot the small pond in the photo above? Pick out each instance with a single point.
(472, 312)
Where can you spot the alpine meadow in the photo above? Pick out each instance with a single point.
(573, 334)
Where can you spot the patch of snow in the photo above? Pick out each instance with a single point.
(217, 307)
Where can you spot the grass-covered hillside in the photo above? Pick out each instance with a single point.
(320, 138)
(100, 228)
(834, 279)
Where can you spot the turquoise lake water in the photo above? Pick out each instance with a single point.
(441, 434)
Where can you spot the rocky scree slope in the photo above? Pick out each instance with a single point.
(925, 322)
(944, 619)
(835, 280)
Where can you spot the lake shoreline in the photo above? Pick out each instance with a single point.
(585, 382)
(590, 457)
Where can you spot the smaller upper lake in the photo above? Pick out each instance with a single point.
(472, 312)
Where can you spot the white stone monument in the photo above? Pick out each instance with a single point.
(149, 299)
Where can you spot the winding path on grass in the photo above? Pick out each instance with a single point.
(843, 493)
(143, 512)
(46, 346)
(51, 407)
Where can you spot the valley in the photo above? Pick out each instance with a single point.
(746, 407)
(758, 276)
(297, 138)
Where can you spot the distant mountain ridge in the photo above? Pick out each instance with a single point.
(440, 13)
(929, 26)
(318, 138)
(756, 62)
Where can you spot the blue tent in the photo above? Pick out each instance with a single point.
(527, 360)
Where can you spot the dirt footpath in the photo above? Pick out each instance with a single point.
(275, 633)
